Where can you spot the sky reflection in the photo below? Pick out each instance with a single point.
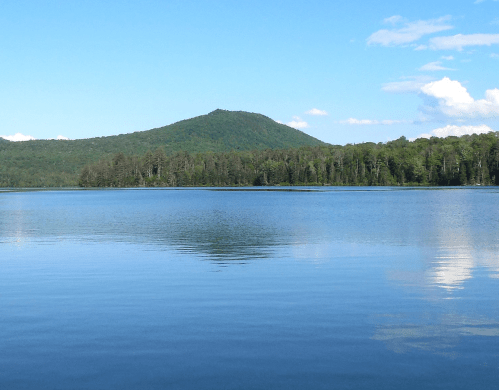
(454, 282)
(441, 336)
(409, 270)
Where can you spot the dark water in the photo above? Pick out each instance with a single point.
(215, 289)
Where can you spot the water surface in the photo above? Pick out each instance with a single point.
(320, 288)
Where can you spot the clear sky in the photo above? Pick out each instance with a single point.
(342, 71)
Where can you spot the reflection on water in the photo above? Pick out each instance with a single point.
(459, 240)
(190, 223)
(455, 261)
(439, 336)
(451, 271)
(356, 288)
(455, 230)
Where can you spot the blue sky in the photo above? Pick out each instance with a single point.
(341, 71)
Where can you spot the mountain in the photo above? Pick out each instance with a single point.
(56, 163)
(218, 131)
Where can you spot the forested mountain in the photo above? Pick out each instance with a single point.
(468, 160)
(52, 163)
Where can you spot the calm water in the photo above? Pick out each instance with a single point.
(242, 289)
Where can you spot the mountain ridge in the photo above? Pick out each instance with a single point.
(56, 163)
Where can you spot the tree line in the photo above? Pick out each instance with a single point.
(453, 161)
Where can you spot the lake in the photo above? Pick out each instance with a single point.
(268, 288)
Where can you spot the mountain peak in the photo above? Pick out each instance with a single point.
(218, 111)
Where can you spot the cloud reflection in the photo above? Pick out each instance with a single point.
(452, 271)
(458, 243)
(457, 240)
(441, 337)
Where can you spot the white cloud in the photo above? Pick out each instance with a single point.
(17, 137)
(447, 58)
(434, 66)
(458, 131)
(420, 47)
(279, 122)
(316, 111)
(413, 85)
(297, 123)
(353, 121)
(395, 19)
(410, 32)
(453, 100)
(457, 42)
(494, 55)
(391, 122)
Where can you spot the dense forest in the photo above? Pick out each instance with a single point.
(53, 163)
(467, 160)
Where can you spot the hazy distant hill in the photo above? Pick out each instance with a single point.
(58, 163)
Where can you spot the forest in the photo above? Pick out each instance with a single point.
(452, 161)
(54, 163)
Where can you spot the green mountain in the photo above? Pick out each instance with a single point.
(53, 163)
